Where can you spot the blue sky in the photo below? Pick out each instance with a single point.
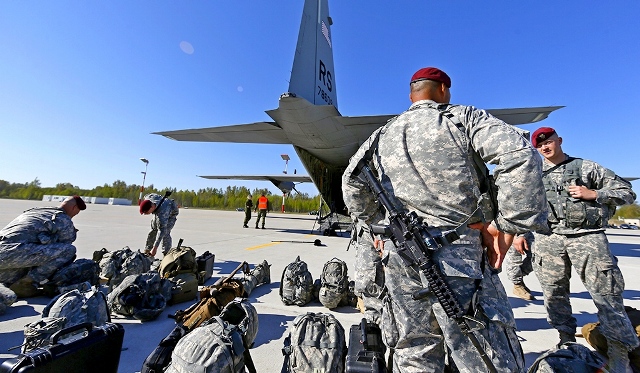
(83, 84)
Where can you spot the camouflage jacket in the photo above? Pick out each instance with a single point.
(426, 162)
(168, 209)
(40, 225)
(611, 191)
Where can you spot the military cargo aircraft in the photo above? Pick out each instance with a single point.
(307, 116)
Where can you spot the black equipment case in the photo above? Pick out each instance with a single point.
(96, 350)
(205, 266)
(160, 357)
(366, 349)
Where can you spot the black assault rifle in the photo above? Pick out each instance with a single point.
(414, 245)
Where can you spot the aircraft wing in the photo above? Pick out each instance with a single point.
(528, 115)
(514, 116)
(283, 177)
(630, 179)
(254, 133)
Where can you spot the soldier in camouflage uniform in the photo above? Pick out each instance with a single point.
(164, 218)
(369, 275)
(36, 244)
(248, 205)
(425, 162)
(519, 265)
(582, 196)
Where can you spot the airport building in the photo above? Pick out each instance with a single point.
(94, 200)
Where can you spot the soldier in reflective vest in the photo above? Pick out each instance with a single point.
(263, 205)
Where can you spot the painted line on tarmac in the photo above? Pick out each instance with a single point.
(261, 246)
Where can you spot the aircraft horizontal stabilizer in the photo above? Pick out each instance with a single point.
(253, 133)
(283, 177)
(630, 179)
(528, 115)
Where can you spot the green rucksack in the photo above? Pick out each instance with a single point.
(570, 357)
(180, 259)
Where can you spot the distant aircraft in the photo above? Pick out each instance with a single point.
(286, 183)
(307, 116)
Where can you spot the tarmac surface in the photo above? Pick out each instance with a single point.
(221, 232)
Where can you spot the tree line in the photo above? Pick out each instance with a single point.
(228, 199)
(231, 198)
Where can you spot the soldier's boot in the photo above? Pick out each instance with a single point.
(25, 288)
(267, 272)
(566, 337)
(521, 291)
(618, 357)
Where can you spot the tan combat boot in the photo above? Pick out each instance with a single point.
(618, 357)
(25, 288)
(521, 291)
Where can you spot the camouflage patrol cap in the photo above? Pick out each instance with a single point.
(80, 202)
(541, 135)
(145, 206)
(431, 73)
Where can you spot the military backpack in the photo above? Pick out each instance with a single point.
(215, 347)
(119, 264)
(315, 343)
(78, 306)
(569, 357)
(180, 259)
(73, 276)
(334, 283)
(296, 285)
(142, 296)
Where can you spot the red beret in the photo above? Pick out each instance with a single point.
(80, 202)
(145, 206)
(432, 73)
(541, 134)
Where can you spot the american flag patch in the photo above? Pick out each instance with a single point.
(325, 32)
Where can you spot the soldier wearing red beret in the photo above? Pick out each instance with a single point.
(424, 159)
(36, 244)
(165, 213)
(582, 196)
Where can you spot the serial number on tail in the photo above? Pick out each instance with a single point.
(325, 96)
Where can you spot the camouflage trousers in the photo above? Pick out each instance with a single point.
(518, 265)
(247, 216)
(591, 258)
(38, 261)
(7, 298)
(155, 230)
(261, 214)
(421, 332)
(369, 279)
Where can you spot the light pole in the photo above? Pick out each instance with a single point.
(144, 176)
(285, 158)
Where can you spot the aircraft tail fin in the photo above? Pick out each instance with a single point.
(312, 76)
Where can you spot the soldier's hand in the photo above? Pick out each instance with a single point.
(521, 245)
(496, 242)
(582, 192)
(378, 243)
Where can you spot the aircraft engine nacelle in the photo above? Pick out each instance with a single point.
(285, 186)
